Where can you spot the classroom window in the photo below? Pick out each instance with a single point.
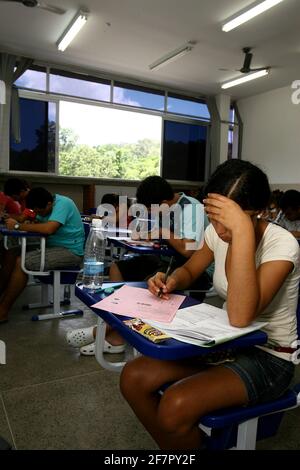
(107, 143)
(65, 83)
(187, 106)
(184, 151)
(99, 140)
(33, 80)
(36, 151)
(139, 97)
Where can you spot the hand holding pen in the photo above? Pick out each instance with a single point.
(160, 292)
(158, 283)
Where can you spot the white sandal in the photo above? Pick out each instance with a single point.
(89, 349)
(80, 337)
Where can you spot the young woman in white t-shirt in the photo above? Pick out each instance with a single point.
(257, 273)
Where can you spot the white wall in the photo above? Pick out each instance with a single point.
(272, 135)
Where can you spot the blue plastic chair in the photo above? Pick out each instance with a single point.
(57, 278)
(242, 427)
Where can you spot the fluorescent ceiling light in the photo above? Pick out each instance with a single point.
(248, 15)
(72, 29)
(246, 78)
(172, 56)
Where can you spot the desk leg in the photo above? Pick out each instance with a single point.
(99, 344)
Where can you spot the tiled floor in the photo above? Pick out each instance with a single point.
(53, 398)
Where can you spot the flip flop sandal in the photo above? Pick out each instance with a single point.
(89, 349)
(80, 337)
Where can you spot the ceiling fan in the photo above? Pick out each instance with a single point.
(246, 68)
(35, 3)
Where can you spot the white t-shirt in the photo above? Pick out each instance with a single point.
(276, 244)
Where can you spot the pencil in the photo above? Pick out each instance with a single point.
(160, 293)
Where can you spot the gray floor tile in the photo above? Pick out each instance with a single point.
(37, 351)
(76, 413)
(57, 399)
(287, 437)
(4, 428)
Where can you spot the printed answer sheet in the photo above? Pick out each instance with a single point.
(138, 302)
(204, 325)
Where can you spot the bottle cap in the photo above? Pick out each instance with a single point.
(97, 223)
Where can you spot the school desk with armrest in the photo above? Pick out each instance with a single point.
(237, 427)
(55, 278)
(124, 246)
(170, 349)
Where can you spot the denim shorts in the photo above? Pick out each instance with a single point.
(265, 376)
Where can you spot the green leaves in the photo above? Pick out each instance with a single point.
(127, 161)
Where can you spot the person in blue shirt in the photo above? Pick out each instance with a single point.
(59, 219)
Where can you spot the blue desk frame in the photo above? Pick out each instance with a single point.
(170, 349)
(141, 250)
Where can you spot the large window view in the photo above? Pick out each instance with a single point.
(81, 125)
(108, 143)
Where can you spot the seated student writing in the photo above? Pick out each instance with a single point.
(183, 234)
(59, 219)
(257, 274)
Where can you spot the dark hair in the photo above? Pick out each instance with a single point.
(241, 181)
(110, 198)
(276, 197)
(38, 198)
(13, 186)
(154, 190)
(290, 200)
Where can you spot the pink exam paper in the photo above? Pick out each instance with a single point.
(138, 302)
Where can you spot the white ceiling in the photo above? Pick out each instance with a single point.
(125, 36)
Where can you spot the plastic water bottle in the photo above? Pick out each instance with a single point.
(93, 263)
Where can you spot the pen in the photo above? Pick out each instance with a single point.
(160, 293)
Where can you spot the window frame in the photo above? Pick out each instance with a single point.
(131, 84)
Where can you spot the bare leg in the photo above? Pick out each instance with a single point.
(115, 273)
(16, 285)
(8, 264)
(173, 419)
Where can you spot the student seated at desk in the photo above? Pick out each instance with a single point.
(183, 234)
(257, 273)
(290, 206)
(273, 212)
(59, 219)
(18, 189)
(114, 210)
(12, 204)
(8, 206)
